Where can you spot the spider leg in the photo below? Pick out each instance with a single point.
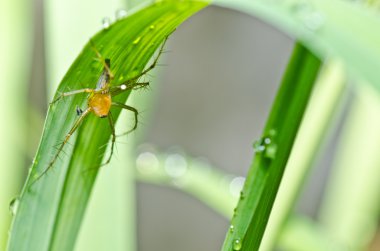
(65, 94)
(112, 126)
(116, 90)
(67, 137)
(151, 67)
(130, 108)
(105, 62)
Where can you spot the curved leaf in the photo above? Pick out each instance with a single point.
(50, 211)
(342, 29)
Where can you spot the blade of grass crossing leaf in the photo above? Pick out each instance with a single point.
(272, 152)
(324, 106)
(50, 212)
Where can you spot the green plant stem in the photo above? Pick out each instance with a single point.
(321, 112)
(264, 177)
(300, 233)
(15, 27)
(350, 209)
(208, 184)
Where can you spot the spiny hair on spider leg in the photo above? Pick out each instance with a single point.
(101, 156)
(103, 146)
(121, 142)
(144, 88)
(59, 156)
(57, 145)
(90, 169)
(68, 143)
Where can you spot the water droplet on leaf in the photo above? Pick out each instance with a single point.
(13, 206)
(236, 185)
(266, 147)
(120, 14)
(308, 15)
(242, 196)
(237, 244)
(314, 21)
(175, 165)
(106, 22)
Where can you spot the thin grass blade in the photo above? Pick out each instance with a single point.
(272, 152)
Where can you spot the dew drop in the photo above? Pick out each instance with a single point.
(314, 21)
(242, 196)
(271, 151)
(13, 206)
(265, 146)
(147, 162)
(152, 27)
(259, 146)
(267, 141)
(307, 14)
(35, 162)
(272, 132)
(236, 185)
(235, 212)
(106, 22)
(232, 228)
(137, 40)
(120, 14)
(175, 165)
(237, 244)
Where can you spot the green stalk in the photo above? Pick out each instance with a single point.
(350, 210)
(51, 210)
(208, 184)
(272, 152)
(15, 27)
(321, 112)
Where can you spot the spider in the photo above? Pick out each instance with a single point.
(99, 101)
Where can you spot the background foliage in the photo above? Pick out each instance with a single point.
(347, 88)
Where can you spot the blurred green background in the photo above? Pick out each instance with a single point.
(232, 63)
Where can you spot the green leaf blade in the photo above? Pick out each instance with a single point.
(51, 210)
(264, 177)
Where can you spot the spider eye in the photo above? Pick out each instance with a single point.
(79, 111)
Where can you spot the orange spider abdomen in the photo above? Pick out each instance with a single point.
(100, 104)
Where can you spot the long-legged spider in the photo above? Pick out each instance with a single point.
(99, 101)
